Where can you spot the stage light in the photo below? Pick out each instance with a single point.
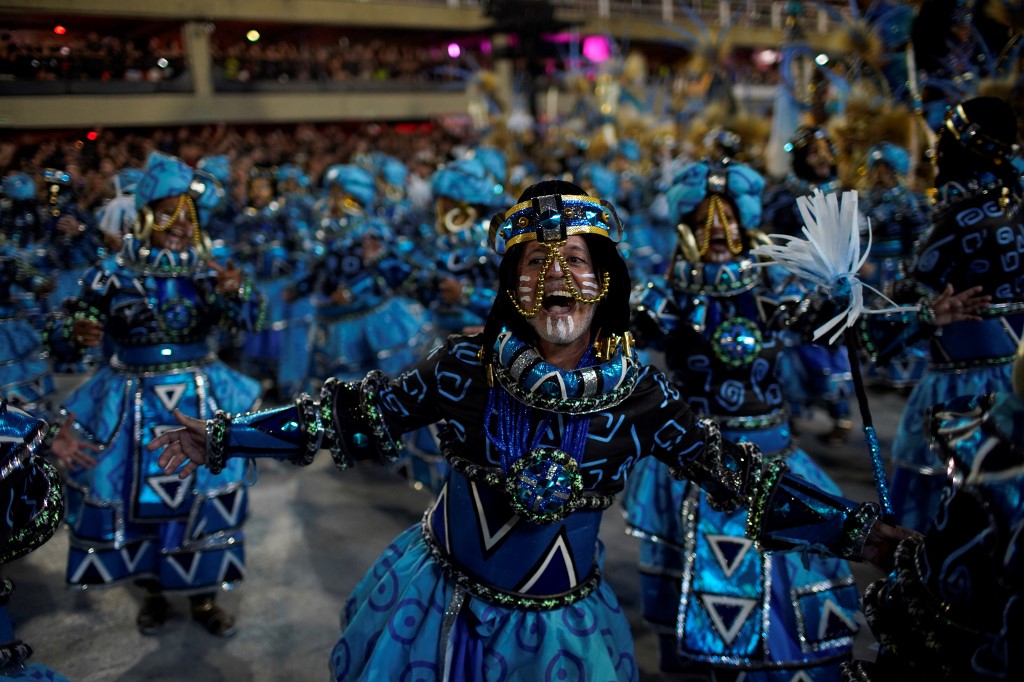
(59, 30)
(162, 63)
(92, 135)
(821, 59)
(596, 49)
(454, 50)
(252, 36)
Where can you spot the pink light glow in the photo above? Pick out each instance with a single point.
(454, 50)
(596, 49)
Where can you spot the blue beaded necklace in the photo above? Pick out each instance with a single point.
(541, 481)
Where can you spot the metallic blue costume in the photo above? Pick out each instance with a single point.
(127, 518)
(30, 488)
(815, 373)
(502, 580)
(898, 217)
(952, 608)
(717, 601)
(976, 238)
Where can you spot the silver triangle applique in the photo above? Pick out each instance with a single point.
(742, 608)
(170, 394)
(742, 545)
(558, 550)
(164, 485)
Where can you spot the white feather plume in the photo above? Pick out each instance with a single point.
(829, 257)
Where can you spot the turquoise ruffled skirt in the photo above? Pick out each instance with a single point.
(393, 623)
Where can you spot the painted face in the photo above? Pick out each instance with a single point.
(718, 234)
(177, 217)
(560, 318)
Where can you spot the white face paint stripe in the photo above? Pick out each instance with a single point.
(588, 275)
(572, 325)
(524, 278)
(561, 327)
(551, 329)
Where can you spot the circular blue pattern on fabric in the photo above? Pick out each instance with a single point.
(737, 342)
(495, 666)
(419, 671)
(565, 667)
(544, 484)
(341, 660)
(579, 621)
(384, 594)
(405, 623)
(530, 633)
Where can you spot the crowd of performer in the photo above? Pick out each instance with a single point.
(528, 329)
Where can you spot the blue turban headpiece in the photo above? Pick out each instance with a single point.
(128, 180)
(19, 187)
(393, 171)
(290, 171)
(894, 156)
(218, 165)
(736, 181)
(168, 176)
(469, 181)
(353, 179)
(494, 161)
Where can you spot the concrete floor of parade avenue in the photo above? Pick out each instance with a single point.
(311, 535)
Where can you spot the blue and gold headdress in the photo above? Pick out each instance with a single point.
(553, 218)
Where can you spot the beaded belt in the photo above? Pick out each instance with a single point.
(752, 422)
(157, 368)
(499, 597)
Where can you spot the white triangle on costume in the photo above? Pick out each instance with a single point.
(727, 632)
(557, 549)
(184, 486)
(490, 540)
(229, 560)
(442, 500)
(231, 515)
(133, 563)
(716, 542)
(170, 394)
(801, 676)
(190, 575)
(91, 560)
(828, 609)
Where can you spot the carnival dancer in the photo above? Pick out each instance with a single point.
(545, 414)
(815, 374)
(128, 520)
(953, 607)
(975, 244)
(33, 509)
(896, 216)
(271, 248)
(719, 604)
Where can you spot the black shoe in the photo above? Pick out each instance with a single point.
(839, 434)
(216, 620)
(153, 614)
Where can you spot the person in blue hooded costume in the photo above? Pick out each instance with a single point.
(816, 374)
(25, 377)
(33, 509)
(897, 216)
(720, 605)
(272, 248)
(364, 318)
(160, 303)
(974, 246)
(544, 414)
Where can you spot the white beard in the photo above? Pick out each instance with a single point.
(564, 330)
